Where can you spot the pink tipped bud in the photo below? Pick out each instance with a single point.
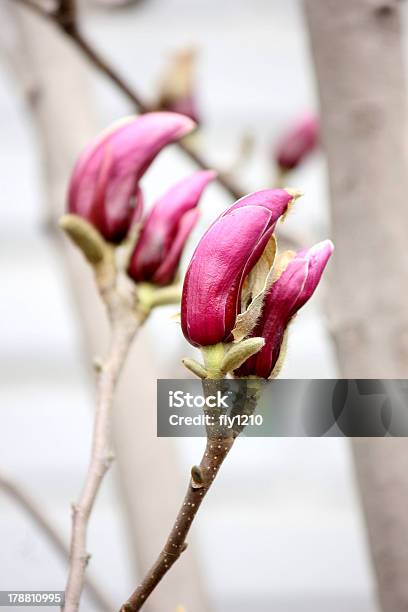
(104, 185)
(223, 258)
(166, 229)
(297, 143)
(294, 287)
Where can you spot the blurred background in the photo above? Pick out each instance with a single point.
(283, 529)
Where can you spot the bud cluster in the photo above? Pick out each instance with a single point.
(240, 295)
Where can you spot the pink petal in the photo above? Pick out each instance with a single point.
(317, 256)
(215, 274)
(162, 224)
(278, 310)
(133, 144)
(137, 206)
(167, 271)
(298, 142)
(275, 200)
(287, 295)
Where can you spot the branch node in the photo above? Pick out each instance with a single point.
(195, 367)
(65, 15)
(86, 558)
(110, 457)
(97, 364)
(197, 480)
(86, 237)
(74, 508)
(384, 10)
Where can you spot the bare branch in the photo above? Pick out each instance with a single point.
(125, 322)
(219, 442)
(32, 43)
(215, 452)
(65, 14)
(29, 506)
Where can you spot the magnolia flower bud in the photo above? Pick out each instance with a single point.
(104, 187)
(157, 254)
(297, 143)
(222, 260)
(292, 289)
(177, 90)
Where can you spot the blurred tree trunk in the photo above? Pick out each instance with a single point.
(55, 83)
(358, 58)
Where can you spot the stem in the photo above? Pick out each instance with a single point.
(53, 536)
(124, 327)
(219, 442)
(215, 452)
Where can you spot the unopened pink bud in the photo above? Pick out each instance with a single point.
(297, 143)
(163, 236)
(287, 295)
(223, 258)
(104, 187)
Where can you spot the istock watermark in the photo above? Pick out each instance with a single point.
(288, 408)
(181, 399)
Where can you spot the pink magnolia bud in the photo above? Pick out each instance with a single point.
(166, 229)
(223, 258)
(178, 86)
(104, 186)
(297, 143)
(288, 294)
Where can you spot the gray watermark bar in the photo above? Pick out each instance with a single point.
(283, 408)
(32, 598)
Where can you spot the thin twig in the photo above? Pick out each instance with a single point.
(101, 459)
(125, 322)
(215, 452)
(29, 506)
(66, 14)
(219, 442)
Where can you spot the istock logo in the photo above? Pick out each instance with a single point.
(180, 399)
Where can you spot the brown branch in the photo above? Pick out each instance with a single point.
(39, 39)
(66, 13)
(125, 322)
(29, 506)
(215, 452)
(219, 442)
